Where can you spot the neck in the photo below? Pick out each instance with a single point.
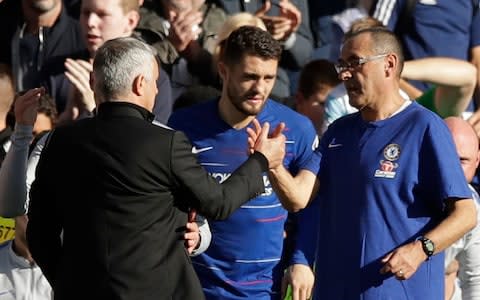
(231, 115)
(21, 249)
(382, 110)
(35, 19)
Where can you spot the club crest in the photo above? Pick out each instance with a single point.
(392, 152)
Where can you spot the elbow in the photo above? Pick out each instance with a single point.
(294, 207)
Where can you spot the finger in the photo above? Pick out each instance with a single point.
(387, 257)
(309, 292)
(32, 93)
(265, 131)
(257, 126)
(251, 145)
(278, 130)
(303, 294)
(82, 76)
(295, 293)
(284, 286)
(281, 28)
(77, 83)
(264, 9)
(192, 215)
(79, 67)
(87, 66)
(190, 236)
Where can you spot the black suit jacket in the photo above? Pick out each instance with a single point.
(119, 187)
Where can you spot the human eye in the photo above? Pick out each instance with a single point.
(355, 62)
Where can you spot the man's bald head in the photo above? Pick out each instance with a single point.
(466, 142)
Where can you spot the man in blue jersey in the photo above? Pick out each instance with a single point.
(244, 258)
(392, 194)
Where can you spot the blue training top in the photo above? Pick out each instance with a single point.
(382, 184)
(243, 260)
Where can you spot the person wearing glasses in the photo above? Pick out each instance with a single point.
(391, 192)
(453, 82)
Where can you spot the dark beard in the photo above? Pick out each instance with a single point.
(237, 103)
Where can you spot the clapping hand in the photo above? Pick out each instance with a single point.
(283, 25)
(78, 73)
(184, 29)
(26, 106)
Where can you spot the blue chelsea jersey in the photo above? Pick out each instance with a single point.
(243, 259)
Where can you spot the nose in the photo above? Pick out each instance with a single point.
(91, 20)
(344, 75)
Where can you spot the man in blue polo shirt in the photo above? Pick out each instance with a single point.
(392, 194)
(244, 257)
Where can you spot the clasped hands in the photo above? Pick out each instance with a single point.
(272, 146)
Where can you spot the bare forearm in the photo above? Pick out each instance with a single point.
(460, 220)
(440, 71)
(293, 192)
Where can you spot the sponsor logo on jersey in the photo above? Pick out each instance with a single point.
(386, 169)
(221, 177)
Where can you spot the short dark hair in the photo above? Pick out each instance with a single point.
(46, 105)
(250, 40)
(315, 74)
(384, 41)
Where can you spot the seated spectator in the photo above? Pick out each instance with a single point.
(288, 22)
(36, 38)
(183, 32)
(464, 255)
(100, 21)
(317, 79)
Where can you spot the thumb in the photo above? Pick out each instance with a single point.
(387, 257)
(192, 215)
(263, 10)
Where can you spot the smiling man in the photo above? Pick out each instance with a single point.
(244, 257)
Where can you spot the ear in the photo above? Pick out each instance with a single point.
(222, 70)
(133, 18)
(138, 85)
(391, 65)
(478, 159)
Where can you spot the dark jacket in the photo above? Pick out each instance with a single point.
(120, 197)
(62, 40)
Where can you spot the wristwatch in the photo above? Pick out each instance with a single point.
(427, 245)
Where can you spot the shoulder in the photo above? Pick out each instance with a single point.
(284, 113)
(184, 116)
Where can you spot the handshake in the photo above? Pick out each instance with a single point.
(272, 146)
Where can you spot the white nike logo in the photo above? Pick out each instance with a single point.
(333, 145)
(196, 150)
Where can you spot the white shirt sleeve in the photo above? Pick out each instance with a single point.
(205, 235)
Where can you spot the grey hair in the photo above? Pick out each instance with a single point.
(117, 62)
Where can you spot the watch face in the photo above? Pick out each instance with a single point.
(429, 246)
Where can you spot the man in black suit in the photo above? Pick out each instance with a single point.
(121, 195)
